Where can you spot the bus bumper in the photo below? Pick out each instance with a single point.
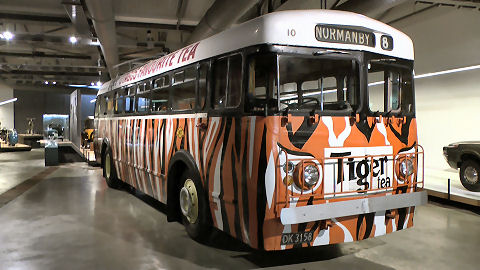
(296, 215)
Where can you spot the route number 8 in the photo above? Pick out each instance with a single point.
(386, 42)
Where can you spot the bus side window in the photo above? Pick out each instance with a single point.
(142, 98)
(119, 102)
(129, 99)
(202, 85)
(160, 100)
(234, 81)
(183, 94)
(161, 82)
(160, 94)
(97, 106)
(109, 100)
(220, 69)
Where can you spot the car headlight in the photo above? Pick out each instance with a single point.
(406, 167)
(311, 175)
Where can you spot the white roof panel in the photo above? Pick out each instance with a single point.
(276, 28)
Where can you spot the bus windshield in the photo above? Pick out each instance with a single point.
(307, 83)
(390, 88)
(317, 83)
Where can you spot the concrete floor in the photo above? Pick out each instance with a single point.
(71, 220)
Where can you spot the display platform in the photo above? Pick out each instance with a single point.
(436, 184)
(67, 151)
(18, 147)
(30, 139)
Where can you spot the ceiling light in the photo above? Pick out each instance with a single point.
(73, 39)
(8, 101)
(426, 75)
(54, 82)
(7, 35)
(438, 73)
(46, 82)
(99, 83)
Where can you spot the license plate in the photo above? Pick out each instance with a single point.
(297, 238)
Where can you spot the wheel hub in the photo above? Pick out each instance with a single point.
(107, 166)
(471, 175)
(189, 201)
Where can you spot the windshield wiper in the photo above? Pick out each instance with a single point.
(324, 52)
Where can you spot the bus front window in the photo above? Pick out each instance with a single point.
(390, 88)
(316, 83)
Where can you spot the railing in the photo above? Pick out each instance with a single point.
(382, 176)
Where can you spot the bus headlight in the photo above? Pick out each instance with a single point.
(405, 168)
(311, 175)
(306, 175)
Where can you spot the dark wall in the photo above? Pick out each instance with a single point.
(34, 104)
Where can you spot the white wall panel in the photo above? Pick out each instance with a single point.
(6, 111)
(448, 106)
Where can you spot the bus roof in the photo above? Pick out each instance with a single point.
(307, 28)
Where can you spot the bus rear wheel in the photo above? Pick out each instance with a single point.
(470, 175)
(109, 171)
(194, 206)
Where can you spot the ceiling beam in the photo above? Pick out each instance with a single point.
(59, 39)
(51, 88)
(46, 55)
(35, 18)
(50, 72)
(162, 26)
(104, 24)
(76, 14)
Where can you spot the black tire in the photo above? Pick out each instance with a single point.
(110, 173)
(201, 228)
(470, 175)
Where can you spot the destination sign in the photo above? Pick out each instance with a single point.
(341, 34)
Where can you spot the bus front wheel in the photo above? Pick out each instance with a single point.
(193, 206)
(109, 170)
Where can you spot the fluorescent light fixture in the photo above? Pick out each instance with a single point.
(7, 35)
(56, 115)
(93, 100)
(73, 39)
(8, 101)
(84, 86)
(376, 83)
(426, 75)
(438, 73)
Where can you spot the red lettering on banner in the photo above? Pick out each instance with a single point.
(185, 53)
(192, 51)
(170, 63)
(182, 52)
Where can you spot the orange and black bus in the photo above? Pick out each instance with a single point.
(294, 129)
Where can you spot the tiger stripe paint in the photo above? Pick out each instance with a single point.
(238, 161)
